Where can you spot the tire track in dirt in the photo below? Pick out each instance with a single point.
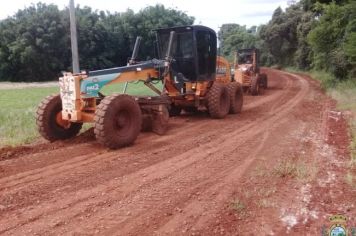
(187, 206)
(182, 163)
(141, 217)
(198, 207)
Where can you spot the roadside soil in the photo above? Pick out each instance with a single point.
(278, 168)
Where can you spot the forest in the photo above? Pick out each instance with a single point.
(35, 42)
(308, 34)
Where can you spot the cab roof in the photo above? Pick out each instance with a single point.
(185, 28)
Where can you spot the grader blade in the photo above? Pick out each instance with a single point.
(160, 120)
(155, 114)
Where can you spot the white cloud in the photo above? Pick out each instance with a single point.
(244, 12)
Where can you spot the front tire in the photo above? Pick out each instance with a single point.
(118, 121)
(255, 86)
(218, 101)
(49, 120)
(264, 81)
(236, 97)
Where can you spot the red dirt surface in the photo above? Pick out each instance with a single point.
(277, 168)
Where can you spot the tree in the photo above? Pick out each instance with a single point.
(303, 54)
(280, 34)
(29, 44)
(332, 40)
(35, 42)
(235, 36)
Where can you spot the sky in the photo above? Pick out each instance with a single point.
(213, 15)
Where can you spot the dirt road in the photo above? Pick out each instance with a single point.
(278, 167)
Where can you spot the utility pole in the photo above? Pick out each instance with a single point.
(73, 37)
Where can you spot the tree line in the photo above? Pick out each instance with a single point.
(309, 34)
(35, 42)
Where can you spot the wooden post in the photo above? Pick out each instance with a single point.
(73, 37)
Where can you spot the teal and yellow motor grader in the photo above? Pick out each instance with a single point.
(186, 68)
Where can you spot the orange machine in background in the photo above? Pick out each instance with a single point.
(247, 71)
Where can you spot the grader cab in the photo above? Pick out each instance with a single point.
(247, 71)
(187, 69)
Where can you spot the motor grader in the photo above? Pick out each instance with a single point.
(192, 77)
(247, 71)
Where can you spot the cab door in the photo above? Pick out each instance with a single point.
(206, 54)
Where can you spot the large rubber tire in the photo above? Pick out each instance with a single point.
(264, 81)
(236, 97)
(117, 121)
(47, 116)
(218, 101)
(255, 86)
(174, 110)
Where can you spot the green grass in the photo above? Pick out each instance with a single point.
(18, 106)
(17, 109)
(132, 88)
(326, 79)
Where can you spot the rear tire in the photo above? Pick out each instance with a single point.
(236, 97)
(218, 101)
(49, 120)
(117, 121)
(255, 86)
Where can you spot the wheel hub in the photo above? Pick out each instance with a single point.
(62, 123)
(122, 120)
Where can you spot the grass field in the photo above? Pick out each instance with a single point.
(18, 106)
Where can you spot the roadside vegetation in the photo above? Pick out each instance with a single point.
(308, 35)
(35, 41)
